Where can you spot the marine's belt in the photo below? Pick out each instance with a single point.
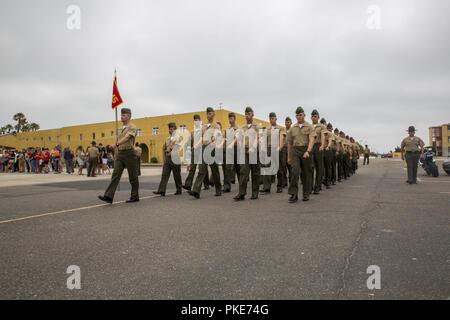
(125, 148)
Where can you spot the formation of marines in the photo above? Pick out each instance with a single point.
(314, 152)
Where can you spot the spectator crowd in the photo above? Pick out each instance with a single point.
(34, 160)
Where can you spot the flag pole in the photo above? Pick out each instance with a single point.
(117, 120)
(117, 128)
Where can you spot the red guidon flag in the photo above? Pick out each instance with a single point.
(116, 98)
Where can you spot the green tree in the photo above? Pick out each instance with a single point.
(26, 127)
(21, 121)
(34, 126)
(8, 128)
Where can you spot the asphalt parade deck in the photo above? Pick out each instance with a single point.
(177, 247)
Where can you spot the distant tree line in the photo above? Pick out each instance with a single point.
(22, 125)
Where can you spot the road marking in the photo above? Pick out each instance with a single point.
(69, 210)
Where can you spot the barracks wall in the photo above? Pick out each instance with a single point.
(151, 136)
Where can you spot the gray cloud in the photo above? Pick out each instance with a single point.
(179, 56)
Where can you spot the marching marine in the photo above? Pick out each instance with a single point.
(126, 158)
(317, 154)
(248, 141)
(170, 150)
(300, 138)
(231, 165)
(210, 132)
(196, 154)
(279, 131)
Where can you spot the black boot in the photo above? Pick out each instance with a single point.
(106, 199)
(194, 194)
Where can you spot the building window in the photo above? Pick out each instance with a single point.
(49, 138)
(437, 132)
(182, 128)
(93, 136)
(103, 134)
(42, 138)
(68, 138)
(155, 131)
(81, 136)
(112, 133)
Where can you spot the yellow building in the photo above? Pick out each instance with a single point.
(151, 134)
(439, 138)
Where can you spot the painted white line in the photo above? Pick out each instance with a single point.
(69, 210)
(56, 212)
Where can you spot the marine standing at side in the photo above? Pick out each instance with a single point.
(411, 149)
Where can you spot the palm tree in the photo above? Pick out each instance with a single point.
(21, 121)
(18, 116)
(34, 126)
(8, 128)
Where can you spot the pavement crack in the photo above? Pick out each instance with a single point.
(373, 205)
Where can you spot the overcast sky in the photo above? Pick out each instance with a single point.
(185, 55)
